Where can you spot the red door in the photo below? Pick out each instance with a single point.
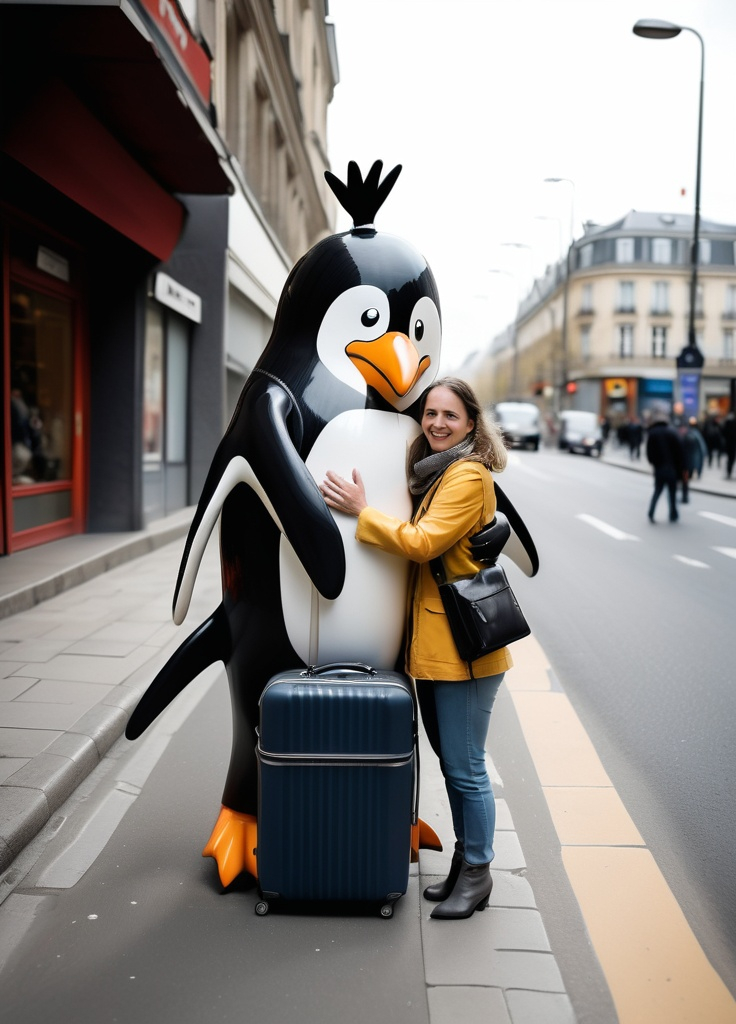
(44, 388)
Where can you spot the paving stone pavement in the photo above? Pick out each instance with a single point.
(74, 665)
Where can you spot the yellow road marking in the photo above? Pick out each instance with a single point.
(654, 965)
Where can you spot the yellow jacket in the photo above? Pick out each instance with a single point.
(450, 513)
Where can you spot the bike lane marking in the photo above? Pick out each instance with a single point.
(655, 968)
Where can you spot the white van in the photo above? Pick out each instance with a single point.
(519, 422)
(580, 432)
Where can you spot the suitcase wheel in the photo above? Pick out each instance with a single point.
(261, 908)
(387, 910)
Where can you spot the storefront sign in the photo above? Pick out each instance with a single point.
(190, 54)
(52, 263)
(177, 297)
(617, 387)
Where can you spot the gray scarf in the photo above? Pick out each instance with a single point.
(427, 470)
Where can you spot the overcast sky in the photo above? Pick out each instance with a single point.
(480, 100)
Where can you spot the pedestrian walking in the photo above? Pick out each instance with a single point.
(450, 479)
(713, 437)
(694, 455)
(635, 436)
(729, 442)
(665, 453)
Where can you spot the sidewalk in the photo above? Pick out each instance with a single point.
(712, 481)
(72, 668)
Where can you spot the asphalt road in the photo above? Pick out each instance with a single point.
(637, 621)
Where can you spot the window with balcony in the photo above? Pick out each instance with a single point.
(625, 341)
(625, 297)
(698, 299)
(586, 301)
(661, 250)
(730, 308)
(660, 298)
(624, 250)
(659, 342)
(585, 343)
(727, 345)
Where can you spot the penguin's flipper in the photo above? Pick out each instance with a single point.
(237, 471)
(258, 450)
(233, 845)
(206, 645)
(520, 546)
(289, 489)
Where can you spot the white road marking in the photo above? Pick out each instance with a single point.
(532, 471)
(691, 561)
(606, 528)
(727, 520)
(731, 552)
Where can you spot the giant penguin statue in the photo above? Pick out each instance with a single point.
(355, 341)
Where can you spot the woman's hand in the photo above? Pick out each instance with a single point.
(344, 495)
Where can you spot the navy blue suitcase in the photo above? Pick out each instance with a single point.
(338, 786)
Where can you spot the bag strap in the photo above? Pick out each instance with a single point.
(436, 565)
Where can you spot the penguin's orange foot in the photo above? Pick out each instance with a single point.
(423, 837)
(233, 845)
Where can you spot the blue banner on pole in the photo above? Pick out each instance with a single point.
(689, 393)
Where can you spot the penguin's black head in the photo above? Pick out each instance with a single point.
(363, 304)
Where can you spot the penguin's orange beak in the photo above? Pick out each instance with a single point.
(390, 364)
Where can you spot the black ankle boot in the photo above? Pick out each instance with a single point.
(441, 890)
(471, 892)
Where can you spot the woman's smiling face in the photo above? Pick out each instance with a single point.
(445, 420)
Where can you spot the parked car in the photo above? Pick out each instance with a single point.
(519, 422)
(580, 432)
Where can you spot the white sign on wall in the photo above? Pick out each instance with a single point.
(177, 297)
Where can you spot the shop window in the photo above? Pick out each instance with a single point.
(177, 387)
(41, 387)
(153, 388)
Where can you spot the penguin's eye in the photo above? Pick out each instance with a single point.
(370, 317)
(419, 330)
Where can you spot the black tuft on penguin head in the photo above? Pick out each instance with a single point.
(363, 199)
(357, 312)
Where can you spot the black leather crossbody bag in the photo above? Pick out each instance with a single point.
(482, 611)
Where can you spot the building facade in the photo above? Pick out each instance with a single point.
(160, 172)
(606, 336)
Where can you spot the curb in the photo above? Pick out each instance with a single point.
(134, 546)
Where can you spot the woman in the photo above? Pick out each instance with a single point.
(453, 499)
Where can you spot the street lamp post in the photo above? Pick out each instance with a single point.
(690, 360)
(514, 336)
(566, 287)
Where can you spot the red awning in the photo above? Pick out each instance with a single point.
(90, 106)
(60, 141)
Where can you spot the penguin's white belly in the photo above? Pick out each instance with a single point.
(366, 622)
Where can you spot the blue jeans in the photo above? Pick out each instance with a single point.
(456, 722)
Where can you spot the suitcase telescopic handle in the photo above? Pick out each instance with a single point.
(340, 666)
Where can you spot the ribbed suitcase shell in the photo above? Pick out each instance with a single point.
(337, 764)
